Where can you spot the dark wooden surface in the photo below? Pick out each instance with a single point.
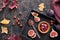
(25, 6)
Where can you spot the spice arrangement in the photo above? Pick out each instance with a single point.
(13, 20)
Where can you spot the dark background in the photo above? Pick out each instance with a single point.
(25, 6)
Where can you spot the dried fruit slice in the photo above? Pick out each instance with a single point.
(34, 35)
(31, 32)
(5, 21)
(43, 27)
(34, 14)
(53, 34)
(36, 19)
(30, 22)
(51, 22)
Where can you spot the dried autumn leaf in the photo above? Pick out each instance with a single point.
(4, 30)
(41, 6)
(5, 21)
(40, 9)
(5, 2)
(13, 5)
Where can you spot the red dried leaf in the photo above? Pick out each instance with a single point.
(4, 3)
(14, 37)
(13, 5)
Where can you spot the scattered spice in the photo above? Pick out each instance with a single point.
(18, 19)
(18, 23)
(51, 22)
(21, 25)
(14, 17)
(30, 22)
(20, 13)
(13, 23)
